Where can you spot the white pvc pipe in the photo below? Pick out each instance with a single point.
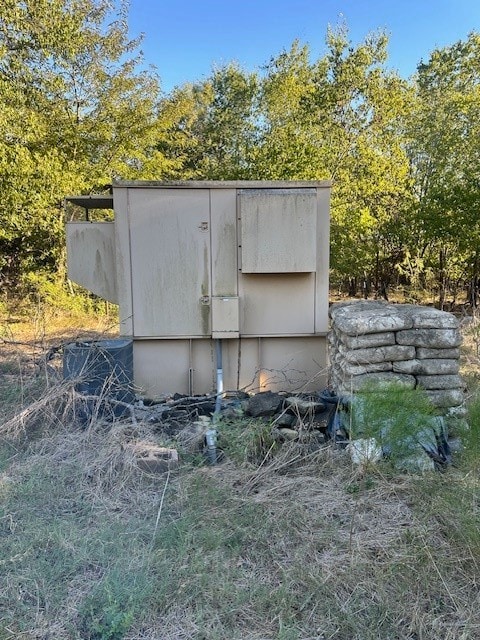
(218, 353)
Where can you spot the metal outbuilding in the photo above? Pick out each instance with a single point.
(193, 263)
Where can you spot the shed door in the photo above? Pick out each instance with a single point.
(170, 254)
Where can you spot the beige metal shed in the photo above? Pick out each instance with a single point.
(190, 263)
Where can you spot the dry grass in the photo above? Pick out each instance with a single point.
(283, 544)
(30, 352)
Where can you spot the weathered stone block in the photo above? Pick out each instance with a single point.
(366, 322)
(355, 306)
(422, 317)
(427, 367)
(369, 340)
(446, 398)
(285, 420)
(380, 354)
(429, 318)
(348, 369)
(358, 383)
(190, 438)
(287, 434)
(431, 338)
(440, 382)
(425, 352)
(407, 366)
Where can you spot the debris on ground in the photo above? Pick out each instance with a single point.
(153, 459)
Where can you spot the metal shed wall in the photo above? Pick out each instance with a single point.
(91, 257)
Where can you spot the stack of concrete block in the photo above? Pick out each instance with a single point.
(372, 342)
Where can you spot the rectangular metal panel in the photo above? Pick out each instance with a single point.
(293, 364)
(323, 260)
(223, 215)
(170, 256)
(203, 366)
(225, 317)
(91, 257)
(122, 261)
(164, 367)
(278, 230)
(277, 304)
(241, 364)
(279, 364)
(161, 366)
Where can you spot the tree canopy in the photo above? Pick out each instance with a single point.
(76, 110)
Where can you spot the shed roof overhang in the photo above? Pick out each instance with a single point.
(95, 201)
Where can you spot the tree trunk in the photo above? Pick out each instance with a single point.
(352, 287)
(366, 286)
(473, 284)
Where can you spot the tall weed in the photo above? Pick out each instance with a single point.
(399, 419)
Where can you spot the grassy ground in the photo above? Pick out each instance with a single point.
(290, 546)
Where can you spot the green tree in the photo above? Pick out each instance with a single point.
(77, 111)
(444, 153)
(211, 126)
(340, 117)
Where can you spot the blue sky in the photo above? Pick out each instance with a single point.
(184, 39)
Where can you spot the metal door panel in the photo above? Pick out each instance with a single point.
(91, 257)
(278, 230)
(170, 254)
(277, 304)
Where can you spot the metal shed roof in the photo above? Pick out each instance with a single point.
(222, 184)
(94, 201)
